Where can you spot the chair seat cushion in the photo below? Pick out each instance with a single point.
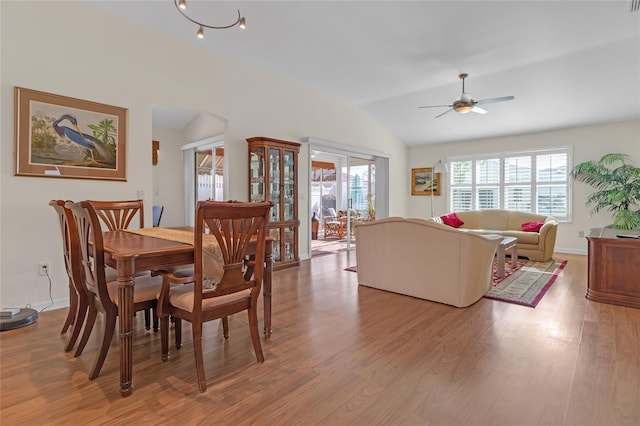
(146, 288)
(181, 296)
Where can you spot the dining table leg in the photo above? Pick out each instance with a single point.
(126, 271)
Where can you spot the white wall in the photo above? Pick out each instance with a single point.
(71, 49)
(168, 187)
(589, 143)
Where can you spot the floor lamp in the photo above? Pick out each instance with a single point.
(439, 167)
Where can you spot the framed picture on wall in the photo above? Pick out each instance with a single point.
(423, 181)
(58, 136)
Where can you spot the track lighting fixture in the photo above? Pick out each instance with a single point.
(181, 5)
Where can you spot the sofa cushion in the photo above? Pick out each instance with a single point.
(486, 219)
(452, 219)
(516, 219)
(532, 226)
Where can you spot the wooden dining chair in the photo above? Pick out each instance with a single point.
(119, 214)
(103, 295)
(116, 215)
(228, 227)
(78, 299)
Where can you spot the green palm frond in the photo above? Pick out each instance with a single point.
(617, 187)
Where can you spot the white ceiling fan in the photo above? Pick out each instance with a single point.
(467, 104)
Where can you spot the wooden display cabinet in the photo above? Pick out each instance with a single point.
(273, 168)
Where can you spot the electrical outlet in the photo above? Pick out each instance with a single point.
(580, 234)
(43, 268)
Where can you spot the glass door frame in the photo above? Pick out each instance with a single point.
(190, 173)
(350, 179)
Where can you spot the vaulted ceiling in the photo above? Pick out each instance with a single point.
(568, 63)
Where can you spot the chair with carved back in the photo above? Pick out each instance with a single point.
(78, 299)
(223, 231)
(119, 214)
(116, 215)
(103, 294)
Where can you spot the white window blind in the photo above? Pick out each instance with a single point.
(531, 181)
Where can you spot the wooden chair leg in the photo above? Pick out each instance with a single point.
(81, 313)
(109, 327)
(197, 351)
(225, 327)
(178, 332)
(255, 333)
(164, 337)
(155, 320)
(147, 319)
(88, 327)
(73, 307)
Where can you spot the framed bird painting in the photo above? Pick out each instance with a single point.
(62, 137)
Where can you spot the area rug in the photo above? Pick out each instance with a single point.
(527, 284)
(508, 269)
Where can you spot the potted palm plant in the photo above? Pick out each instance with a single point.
(617, 185)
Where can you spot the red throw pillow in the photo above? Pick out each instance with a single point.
(452, 219)
(532, 226)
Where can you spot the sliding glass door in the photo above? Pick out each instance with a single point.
(342, 195)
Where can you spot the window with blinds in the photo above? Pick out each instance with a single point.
(532, 181)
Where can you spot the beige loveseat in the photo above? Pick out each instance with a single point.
(536, 246)
(424, 259)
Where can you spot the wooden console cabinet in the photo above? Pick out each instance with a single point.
(614, 267)
(273, 176)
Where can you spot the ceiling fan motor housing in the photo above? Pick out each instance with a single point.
(463, 106)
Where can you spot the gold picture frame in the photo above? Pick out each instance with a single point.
(421, 182)
(62, 137)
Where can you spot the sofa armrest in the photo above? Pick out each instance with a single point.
(546, 228)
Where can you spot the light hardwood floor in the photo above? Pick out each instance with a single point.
(343, 354)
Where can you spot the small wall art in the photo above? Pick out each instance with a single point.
(423, 182)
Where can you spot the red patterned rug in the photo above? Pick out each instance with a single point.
(508, 269)
(527, 284)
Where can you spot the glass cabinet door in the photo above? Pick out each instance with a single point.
(288, 252)
(275, 234)
(274, 183)
(256, 170)
(289, 186)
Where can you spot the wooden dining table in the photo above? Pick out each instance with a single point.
(129, 253)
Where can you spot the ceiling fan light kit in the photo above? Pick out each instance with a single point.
(466, 103)
(181, 6)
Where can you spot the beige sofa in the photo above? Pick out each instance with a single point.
(424, 259)
(536, 246)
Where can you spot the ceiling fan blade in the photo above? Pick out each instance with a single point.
(479, 110)
(437, 106)
(446, 112)
(494, 100)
